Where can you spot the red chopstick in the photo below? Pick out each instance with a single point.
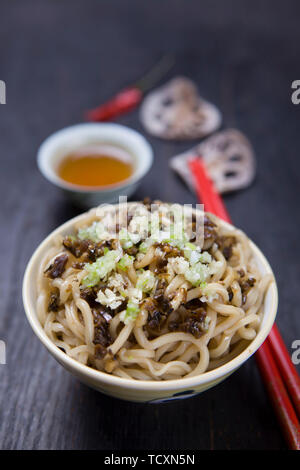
(278, 395)
(206, 191)
(287, 369)
(269, 369)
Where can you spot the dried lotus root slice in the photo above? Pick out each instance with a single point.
(228, 158)
(176, 111)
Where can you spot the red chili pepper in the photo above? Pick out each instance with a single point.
(125, 101)
(129, 98)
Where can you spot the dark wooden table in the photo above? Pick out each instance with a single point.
(60, 57)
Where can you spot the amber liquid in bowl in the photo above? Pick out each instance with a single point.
(96, 166)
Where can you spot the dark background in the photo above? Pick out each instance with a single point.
(61, 57)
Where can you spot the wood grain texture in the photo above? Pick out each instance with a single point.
(59, 58)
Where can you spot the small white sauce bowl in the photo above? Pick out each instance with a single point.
(141, 390)
(57, 146)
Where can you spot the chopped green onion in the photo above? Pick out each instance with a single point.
(197, 274)
(125, 262)
(94, 232)
(205, 257)
(101, 268)
(128, 239)
(146, 281)
(131, 312)
(190, 246)
(143, 247)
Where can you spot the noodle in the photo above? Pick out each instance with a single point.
(150, 309)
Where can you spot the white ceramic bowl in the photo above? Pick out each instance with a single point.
(69, 139)
(136, 390)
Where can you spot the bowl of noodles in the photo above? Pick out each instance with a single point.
(149, 302)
